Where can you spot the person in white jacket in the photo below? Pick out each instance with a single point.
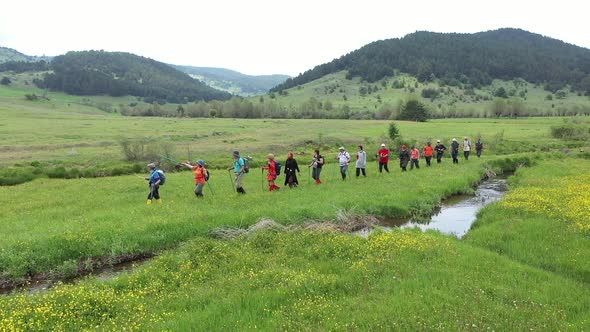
(466, 148)
(343, 159)
(361, 161)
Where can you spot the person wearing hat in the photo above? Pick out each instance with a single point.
(466, 148)
(383, 156)
(200, 176)
(343, 159)
(455, 151)
(154, 182)
(239, 169)
(440, 150)
(428, 153)
(404, 158)
(271, 168)
(361, 161)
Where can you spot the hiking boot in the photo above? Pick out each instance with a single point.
(149, 201)
(159, 200)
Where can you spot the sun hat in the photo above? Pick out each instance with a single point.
(341, 148)
(437, 141)
(151, 165)
(236, 153)
(454, 140)
(382, 144)
(200, 163)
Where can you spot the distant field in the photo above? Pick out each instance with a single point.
(454, 102)
(74, 131)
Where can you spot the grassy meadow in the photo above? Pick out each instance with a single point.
(523, 265)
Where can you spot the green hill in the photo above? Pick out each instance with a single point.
(119, 74)
(232, 81)
(9, 54)
(472, 60)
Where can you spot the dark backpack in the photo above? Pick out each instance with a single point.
(478, 146)
(246, 165)
(278, 166)
(162, 177)
(207, 174)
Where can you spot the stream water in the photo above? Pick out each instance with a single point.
(456, 214)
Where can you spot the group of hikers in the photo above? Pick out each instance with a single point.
(291, 168)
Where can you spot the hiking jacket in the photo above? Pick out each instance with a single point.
(428, 151)
(383, 155)
(361, 159)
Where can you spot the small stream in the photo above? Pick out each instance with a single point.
(456, 214)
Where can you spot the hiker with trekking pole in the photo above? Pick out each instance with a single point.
(317, 163)
(343, 158)
(240, 169)
(273, 169)
(383, 155)
(201, 176)
(291, 167)
(156, 178)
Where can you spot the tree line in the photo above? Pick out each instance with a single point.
(473, 60)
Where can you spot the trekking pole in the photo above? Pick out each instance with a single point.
(233, 187)
(211, 188)
(170, 159)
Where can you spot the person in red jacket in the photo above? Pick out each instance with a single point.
(383, 156)
(272, 172)
(428, 152)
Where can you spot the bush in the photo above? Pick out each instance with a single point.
(571, 131)
(414, 110)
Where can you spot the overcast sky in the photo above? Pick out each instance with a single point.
(266, 36)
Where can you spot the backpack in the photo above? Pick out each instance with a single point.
(246, 165)
(478, 146)
(207, 174)
(278, 166)
(162, 177)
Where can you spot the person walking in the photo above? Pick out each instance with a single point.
(440, 150)
(383, 156)
(361, 162)
(428, 152)
(291, 168)
(201, 176)
(154, 181)
(317, 163)
(466, 148)
(478, 147)
(415, 157)
(404, 158)
(271, 168)
(343, 159)
(455, 151)
(240, 169)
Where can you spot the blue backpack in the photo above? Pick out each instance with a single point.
(162, 177)
(278, 166)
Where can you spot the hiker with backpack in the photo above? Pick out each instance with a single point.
(383, 156)
(455, 151)
(466, 148)
(155, 179)
(343, 158)
(404, 158)
(428, 152)
(361, 162)
(201, 176)
(273, 170)
(440, 150)
(240, 169)
(414, 157)
(290, 168)
(478, 147)
(317, 163)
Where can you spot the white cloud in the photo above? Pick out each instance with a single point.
(264, 36)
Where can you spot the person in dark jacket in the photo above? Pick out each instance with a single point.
(404, 158)
(291, 168)
(478, 147)
(455, 151)
(317, 163)
(440, 150)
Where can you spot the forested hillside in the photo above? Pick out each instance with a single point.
(233, 81)
(118, 74)
(469, 59)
